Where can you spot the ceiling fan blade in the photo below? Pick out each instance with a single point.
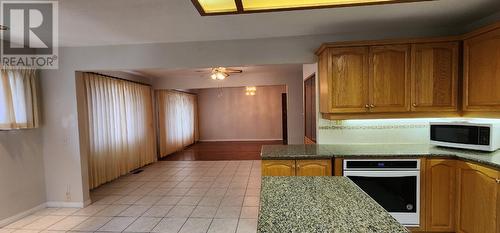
(229, 70)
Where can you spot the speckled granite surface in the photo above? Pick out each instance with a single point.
(320, 204)
(377, 151)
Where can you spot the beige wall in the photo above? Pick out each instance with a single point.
(22, 185)
(228, 114)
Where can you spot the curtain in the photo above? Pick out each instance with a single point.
(177, 120)
(18, 98)
(120, 127)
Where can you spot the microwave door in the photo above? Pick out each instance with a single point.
(461, 134)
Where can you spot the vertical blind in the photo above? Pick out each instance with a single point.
(18, 98)
(177, 120)
(120, 127)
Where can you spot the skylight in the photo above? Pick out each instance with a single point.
(218, 7)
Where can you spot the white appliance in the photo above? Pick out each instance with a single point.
(475, 135)
(392, 183)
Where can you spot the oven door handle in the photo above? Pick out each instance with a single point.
(382, 173)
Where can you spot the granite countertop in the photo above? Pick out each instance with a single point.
(320, 204)
(377, 151)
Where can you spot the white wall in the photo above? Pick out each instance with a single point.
(22, 185)
(63, 165)
(228, 114)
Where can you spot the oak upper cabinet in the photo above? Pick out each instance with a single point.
(314, 167)
(344, 80)
(440, 195)
(478, 206)
(389, 78)
(278, 167)
(434, 76)
(482, 72)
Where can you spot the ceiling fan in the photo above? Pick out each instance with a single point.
(220, 73)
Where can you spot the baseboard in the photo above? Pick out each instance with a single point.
(64, 204)
(238, 140)
(9, 220)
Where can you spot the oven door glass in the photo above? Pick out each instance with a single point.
(397, 194)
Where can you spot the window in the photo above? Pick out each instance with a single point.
(18, 99)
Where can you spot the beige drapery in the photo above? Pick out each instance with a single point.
(120, 127)
(18, 98)
(177, 120)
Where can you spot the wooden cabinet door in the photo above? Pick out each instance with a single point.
(345, 87)
(440, 195)
(434, 76)
(314, 167)
(389, 77)
(477, 204)
(482, 72)
(278, 167)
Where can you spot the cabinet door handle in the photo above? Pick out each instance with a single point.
(372, 106)
(414, 105)
(367, 106)
(498, 181)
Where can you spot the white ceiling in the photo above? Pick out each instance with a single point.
(112, 22)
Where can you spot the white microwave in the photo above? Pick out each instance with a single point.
(467, 135)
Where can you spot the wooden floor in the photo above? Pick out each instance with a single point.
(205, 151)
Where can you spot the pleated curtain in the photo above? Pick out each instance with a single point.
(18, 98)
(120, 127)
(177, 120)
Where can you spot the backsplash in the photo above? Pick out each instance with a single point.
(386, 131)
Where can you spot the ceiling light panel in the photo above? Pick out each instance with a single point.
(256, 5)
(218, 6)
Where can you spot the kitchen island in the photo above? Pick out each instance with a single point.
(320, 204)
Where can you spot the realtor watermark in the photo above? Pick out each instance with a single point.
(31, 35)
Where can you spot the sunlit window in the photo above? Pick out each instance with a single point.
(18, 99)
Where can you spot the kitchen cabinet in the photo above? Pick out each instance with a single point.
(482, 72)
(278, 167)
(344, 81)
(389, 78)
(478, 204)
(314, 168)
(434, 76)
(440, 195)
(296, 167)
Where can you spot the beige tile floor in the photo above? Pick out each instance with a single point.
(168, 196)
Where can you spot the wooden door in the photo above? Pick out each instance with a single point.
(310, 110)
(278, 167)
(482, 72)
(434, 76)
(440, 195)
(389, 76)
(284, 118)
(345, 87)
(314, 167)
(477, 204)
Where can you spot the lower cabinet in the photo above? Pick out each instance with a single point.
(478, 203)
(296, 167)
(440, 195)
(314, 168)
(278, 167)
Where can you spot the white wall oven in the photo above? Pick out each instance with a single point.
(392, 183)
